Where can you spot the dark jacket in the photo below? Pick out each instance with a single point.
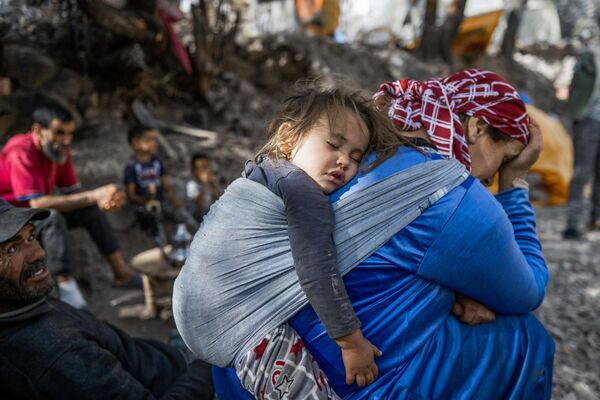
(53, 351)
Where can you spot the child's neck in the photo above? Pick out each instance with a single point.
(142, 156)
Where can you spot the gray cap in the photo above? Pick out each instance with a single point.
(12, 219)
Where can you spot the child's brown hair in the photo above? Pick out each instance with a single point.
(309, 99)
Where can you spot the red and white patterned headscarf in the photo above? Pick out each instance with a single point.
(436, 105)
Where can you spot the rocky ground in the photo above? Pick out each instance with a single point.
(571, 310)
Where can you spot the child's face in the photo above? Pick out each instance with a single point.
(147, 143)
(331, 155)
(202, 169)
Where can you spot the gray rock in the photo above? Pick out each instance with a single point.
(30, 67)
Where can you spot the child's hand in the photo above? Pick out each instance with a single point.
(358, 356)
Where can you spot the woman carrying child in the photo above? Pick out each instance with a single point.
(406, 292)
(316, 143)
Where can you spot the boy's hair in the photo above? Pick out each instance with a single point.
(137, 131)
(45, 114)
(310, 99)
(198, 156)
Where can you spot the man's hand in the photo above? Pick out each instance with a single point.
(358, 356)
(471, 312)
(109, 197)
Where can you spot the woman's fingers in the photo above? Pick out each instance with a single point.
(458, 309)
(473, 313)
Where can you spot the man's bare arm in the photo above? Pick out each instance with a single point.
(107, 198)
(64, 202)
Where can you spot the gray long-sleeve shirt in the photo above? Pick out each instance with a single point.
(310, 225)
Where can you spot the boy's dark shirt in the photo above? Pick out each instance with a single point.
(145, 174)
(53, 351)
(310, 226)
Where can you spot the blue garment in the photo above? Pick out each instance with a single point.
(146, 177)
(467, 243)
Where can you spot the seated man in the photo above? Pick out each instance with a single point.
(31, 166)
(49, 350)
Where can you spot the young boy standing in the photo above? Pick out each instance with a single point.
(146, 179)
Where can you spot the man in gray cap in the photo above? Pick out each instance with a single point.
(50, 350)
(24, 278)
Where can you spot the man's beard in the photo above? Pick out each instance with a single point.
(54, 154)
(21, 294)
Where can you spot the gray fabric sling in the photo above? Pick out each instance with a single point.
(239, 283)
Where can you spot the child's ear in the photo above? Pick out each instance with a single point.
(286, 145)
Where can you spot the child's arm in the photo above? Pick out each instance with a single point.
(310, 225)
(169, 192)
(132, 197)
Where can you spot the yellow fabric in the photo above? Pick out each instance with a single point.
(475, 33)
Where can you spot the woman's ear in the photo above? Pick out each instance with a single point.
(476, 128)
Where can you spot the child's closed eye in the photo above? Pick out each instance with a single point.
(334, 145)
(356, 157)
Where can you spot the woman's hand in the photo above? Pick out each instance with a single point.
(518, 167)
(471, 312)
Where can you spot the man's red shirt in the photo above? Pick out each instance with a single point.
(26, 172)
